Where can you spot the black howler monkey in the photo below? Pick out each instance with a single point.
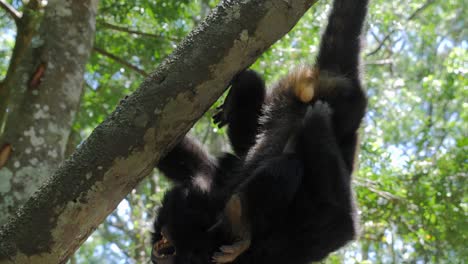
(286, 194)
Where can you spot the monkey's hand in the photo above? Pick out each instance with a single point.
(223, 112)
(229, 253)
(235, 216)
(220, 118)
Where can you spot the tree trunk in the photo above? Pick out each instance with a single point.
(26, 25)
(124, 148)
(44, 84)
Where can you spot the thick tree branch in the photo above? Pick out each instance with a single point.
(15, 14)
(124, 148)
(127, 30)
(121, 61)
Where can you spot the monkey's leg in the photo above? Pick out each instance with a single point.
(323, 161)
(348, 103)
(328, 180)
(242, 109)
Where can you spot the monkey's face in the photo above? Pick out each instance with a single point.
(181, 228)
(163, 250)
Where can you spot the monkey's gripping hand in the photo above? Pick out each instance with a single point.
(229, 253)
(224, 112)
(234, 216)
(220, 118)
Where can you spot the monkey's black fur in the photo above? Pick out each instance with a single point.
(292, 168)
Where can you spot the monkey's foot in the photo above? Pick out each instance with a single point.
(303, 81)
(230, 253)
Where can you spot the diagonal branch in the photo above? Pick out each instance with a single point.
(389, 34)
(372, 186)
(15, 14)
(380, 62)
(420, 9)
(127, 30)
(381, 43)
(121, 61)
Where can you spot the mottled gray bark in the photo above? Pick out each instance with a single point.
(45, 88)
(124, 148)
(26, 24)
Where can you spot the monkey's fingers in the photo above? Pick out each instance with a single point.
(219, 119)
(215, 226)
(220, 257)
(229, 249)
(230, 253)
(220, 107)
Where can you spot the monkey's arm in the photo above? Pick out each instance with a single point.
(325, 173)
(338, 64)
(341, 42)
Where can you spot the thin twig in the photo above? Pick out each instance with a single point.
(15, 14)
(380, 62)
(411, 17)
(127, 30)
(372, 186)
(381, 43)
(121, 61)
(420, 9)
